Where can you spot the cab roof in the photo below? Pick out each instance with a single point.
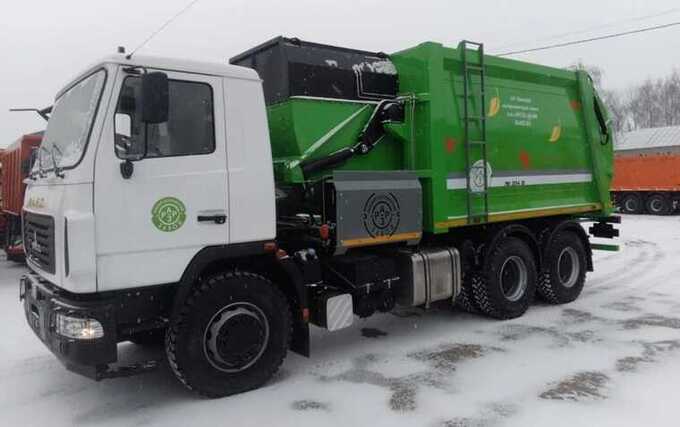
(169, 64)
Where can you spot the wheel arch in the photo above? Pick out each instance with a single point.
(251, 257)
(521, 232)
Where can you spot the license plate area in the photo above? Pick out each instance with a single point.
(34, 317)
(33, 308)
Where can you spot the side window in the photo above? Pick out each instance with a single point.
(188, 131)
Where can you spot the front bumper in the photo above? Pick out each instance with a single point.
(42, 301)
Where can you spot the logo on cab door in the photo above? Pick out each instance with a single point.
(168, 214)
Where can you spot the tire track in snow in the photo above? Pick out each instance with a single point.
(643, 264)
(642, 275)
(29, 366)
(604, 270)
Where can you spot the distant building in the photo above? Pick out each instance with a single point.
(654, 141)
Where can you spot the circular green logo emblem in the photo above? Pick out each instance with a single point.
(168, 214)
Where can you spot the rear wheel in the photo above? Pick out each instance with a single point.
(658, 204)
(466, 299)
(631, 203)
(231, 335)
(508, 282)
(564, 275)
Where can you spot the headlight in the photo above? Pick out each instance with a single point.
(79, 328)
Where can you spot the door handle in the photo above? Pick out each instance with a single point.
(217, 219)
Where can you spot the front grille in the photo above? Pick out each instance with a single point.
(39, 240)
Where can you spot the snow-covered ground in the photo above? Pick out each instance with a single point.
(612, 358)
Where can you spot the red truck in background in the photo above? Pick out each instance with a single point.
(3, 220)
(647, 171)
(16, 165)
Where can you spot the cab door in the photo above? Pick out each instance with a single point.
(150, 225)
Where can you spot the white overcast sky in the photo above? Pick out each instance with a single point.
(45, 43)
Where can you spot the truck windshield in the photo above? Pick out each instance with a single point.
(69, 126)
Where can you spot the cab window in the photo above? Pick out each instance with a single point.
(189, 130)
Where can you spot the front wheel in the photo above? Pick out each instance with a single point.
(231, 335)
(508, 282)
(564, 274)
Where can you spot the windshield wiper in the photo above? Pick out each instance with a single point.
(57, 169)
(41, 171)
(32, 160)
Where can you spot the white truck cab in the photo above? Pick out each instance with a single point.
(150, 170)
(205, 178)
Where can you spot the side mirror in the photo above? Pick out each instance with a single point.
(155, 98)
(123, 142)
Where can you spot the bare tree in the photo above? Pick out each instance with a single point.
(671, 99)
(618, 109)
(654, 103)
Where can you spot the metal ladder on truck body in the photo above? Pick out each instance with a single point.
(475, 196)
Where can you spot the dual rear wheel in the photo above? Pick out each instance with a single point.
(564, 274)
(638, 203)
(506, 285)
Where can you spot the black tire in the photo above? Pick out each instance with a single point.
(675, 204)
(152, 338)
(508, 282)
(257, 314)
(564, 272)
(466, 300)
(631, 203)
(19, 259)
(658, 204)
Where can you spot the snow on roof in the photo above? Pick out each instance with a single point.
(649, 138)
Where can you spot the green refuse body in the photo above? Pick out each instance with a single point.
(542, 132)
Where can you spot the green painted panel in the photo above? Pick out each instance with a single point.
(545, 147)
(303, 128)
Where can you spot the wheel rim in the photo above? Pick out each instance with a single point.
(655, 205)
(631, 205)
(568, 267)
(513, 278)
(236, 337)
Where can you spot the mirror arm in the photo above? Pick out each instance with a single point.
(127, 167)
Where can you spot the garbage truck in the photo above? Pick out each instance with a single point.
(224, 209)
(3, 220)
